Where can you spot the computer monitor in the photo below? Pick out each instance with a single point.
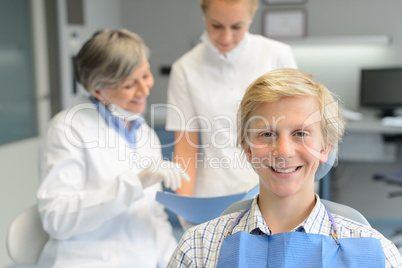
(381, 88)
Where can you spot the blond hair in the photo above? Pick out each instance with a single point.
(253, 4)
(108, 58)
(279, 83)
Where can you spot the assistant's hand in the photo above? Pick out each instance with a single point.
(169, 172)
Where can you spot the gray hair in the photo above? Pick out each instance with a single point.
(108, 58)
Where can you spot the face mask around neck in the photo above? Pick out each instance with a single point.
(117, 111)
(122, 113)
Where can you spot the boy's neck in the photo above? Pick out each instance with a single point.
(283, 214)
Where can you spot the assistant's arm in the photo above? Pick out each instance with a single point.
(180, 112)
(186, 152)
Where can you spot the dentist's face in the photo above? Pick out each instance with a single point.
(226, 23)
(132, 93)
(285, 145)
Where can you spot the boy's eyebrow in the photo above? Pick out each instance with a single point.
(258, 123)
(306, 126)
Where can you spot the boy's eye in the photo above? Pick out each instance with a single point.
(216, 26)
(267, 134)
(300, 134)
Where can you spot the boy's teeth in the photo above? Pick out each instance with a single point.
(284, 170)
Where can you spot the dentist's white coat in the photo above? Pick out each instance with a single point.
(90, 199)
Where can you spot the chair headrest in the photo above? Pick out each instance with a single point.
(324, 168)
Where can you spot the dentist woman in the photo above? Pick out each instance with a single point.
(205, 88)
(101, 165)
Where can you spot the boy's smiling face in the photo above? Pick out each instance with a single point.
(285, 145)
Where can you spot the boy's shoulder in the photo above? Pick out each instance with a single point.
(212, 229)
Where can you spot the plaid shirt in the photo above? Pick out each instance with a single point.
(200, 245)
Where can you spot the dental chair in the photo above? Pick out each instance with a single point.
(332, 207)
(26, 237)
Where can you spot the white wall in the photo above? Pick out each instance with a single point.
(339, 67)
(98, 14)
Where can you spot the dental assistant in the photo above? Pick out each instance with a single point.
(206, 85)
(101, 165)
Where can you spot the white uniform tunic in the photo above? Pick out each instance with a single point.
(205, 90)
(90, 199)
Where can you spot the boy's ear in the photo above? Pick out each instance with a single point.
(324, 153)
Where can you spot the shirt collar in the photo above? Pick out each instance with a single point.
(233, 54)
(255, 223)
(254, 220)
(313, 222)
